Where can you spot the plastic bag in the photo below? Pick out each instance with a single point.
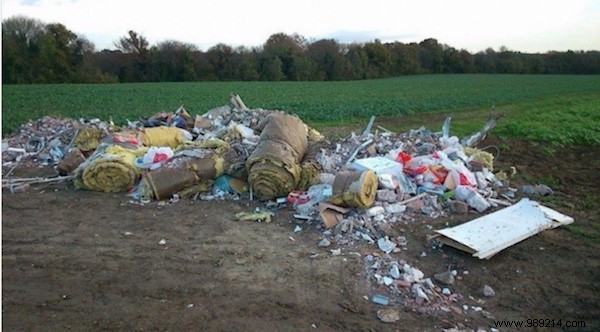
(458, 171)
(420, 164)
(154, 158)
(387, 181)
(471, 197)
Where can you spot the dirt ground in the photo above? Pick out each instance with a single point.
(79, 260)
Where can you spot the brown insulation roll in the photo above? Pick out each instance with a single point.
(184, 174)
(310, 166)
(355, 189)
(274, 166)
(164, 182)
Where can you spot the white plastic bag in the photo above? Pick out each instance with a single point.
(154, 158)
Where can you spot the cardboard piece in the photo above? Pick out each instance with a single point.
(70, 162)
(202, 122)
(331, 214)
(486, 236)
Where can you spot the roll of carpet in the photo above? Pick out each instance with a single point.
(355, 189)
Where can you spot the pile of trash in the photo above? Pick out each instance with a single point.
(358, 189)
(232, 147)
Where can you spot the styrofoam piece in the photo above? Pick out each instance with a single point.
(379, 165)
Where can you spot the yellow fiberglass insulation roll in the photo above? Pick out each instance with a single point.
(163, 136)
(88, 138)
(274, 166)
(355, 189)
(110, 169)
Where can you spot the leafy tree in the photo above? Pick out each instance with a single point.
(248, 64)
(405, 59)
(88, 70)
(20, 36)
(379, 60)
(271, 69)
(222, 59)
(486, 61)
(133, 43)
(509, 62)
(135, 62)
(358, 61)
(329, 62)
(432, 56)
(58, 54)
(38, 53)
(459, 62)
(172, 61)
(288, 49)
(467, 63)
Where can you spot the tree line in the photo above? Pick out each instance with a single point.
(35, 52)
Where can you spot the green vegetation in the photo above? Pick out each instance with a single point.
(586, 234)
(553, 108)
(569, 119)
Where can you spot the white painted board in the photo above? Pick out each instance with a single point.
(490, 234)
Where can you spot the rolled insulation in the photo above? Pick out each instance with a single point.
(355, 189)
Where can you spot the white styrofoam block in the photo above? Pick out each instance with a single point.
(379, 165)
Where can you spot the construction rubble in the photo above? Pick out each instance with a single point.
(356, 190)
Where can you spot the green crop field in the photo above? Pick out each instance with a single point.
(563, 109)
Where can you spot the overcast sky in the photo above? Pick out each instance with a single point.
(474, 25)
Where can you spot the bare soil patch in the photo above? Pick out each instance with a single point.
(79, 260)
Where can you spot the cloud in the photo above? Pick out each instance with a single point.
(31, 2)
(468, 24)
(349, 36)
(40, 3)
